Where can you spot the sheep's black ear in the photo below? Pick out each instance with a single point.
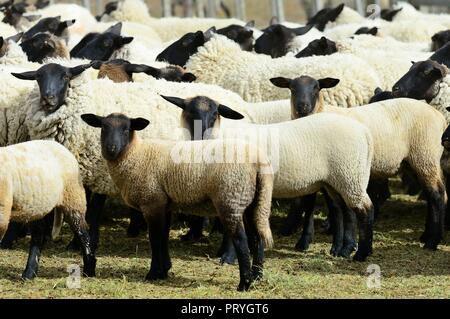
(412, 62)
(303, 30)
(32, 17)
(188, 77)
(225, 111)
(208, 34)
(126, 40)
(281, 82)
(138, 124)
(373, 31)
(77, 70)
(96, 64)
(250, 24)
(15, 37)
(175, 100)
(327, 83)
(378, 90)
(30, 75)
(273, 21)
(139, 68)
(115, 29)
(92, 119)
(448, 109)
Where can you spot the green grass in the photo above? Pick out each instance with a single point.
(408, 271)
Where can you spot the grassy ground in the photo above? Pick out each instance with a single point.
(407, 270)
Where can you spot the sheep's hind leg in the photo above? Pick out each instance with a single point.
(227, 252)
(435, 217)
(157, 227)
(349, 233)
(308, 203)
(364, 215)
(293, 218)
(36, 245)
(196, 225)
(255, 243)
(137, 223)
(80, 229)
(337, 223)
(14, 232)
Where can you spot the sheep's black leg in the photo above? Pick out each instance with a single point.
(447, 208)
(365, 226)
(255, 243)
(74, 244)
(14, 232)
(36, 245)
(167, 264)
(240, 243)
(157, 226)
(337, 224)
(227, 253)
(308, 203)
(80, 229)
(137, 223)
(378, 191)
(332, 206)
(196, 224)
(349, 233)
(293, 219)
(435, 218)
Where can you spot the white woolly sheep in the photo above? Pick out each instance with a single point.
(152, 173)
(221, 61)
(403, 131)
(28, 193)
(342, 153)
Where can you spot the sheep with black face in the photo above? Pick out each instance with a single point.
(44, 45)
(149, 178)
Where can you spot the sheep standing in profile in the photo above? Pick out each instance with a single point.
(153, 174)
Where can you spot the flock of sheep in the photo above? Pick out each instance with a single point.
(128, 106)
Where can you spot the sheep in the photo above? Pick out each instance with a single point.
(221, 61)
(404, 131)
(44, 45)
(390, 64)
(51, 25)
(28, 193)
(342, 166)
(149, 176)
(167, 28)
(440, 39)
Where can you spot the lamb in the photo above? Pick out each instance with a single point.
(149, 175)
(167, 28)
(222, 62)
(342, 165)
(403, 131)
(29, 193)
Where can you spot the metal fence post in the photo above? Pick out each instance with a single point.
(240, 9)
(278, 9)
(166, 8)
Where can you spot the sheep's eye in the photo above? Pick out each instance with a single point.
(66, 78)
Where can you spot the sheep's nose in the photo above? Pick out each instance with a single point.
(50, 99)
(112, 148)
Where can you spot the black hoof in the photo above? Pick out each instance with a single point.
(302, 244)
(335, 250)
(156, 275)
(74, 245)
(244, 285)
(228, 258)
(346, 251)
(360, 255)
(29, 274)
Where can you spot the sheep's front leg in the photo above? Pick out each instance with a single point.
(435, 217)
(308, 203)
(80, 229)
(293, 218)
(137, 223)
(227, 252)
(36, 245)
(158, 222)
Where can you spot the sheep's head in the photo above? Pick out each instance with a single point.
(440, 39)
(53, 80)
(321, 18)
(380, 95)
(321, 46)
(201, 115)
(243, 35)
(389, 14)
(179, 52)
(365, 30)
(43, 45)
(305, 93)
(421, 82)
(101, 46)
(109, 8)
(117, 132)
(52, 25)
(275, 39)
(122, 71)
(4, 42)
(445, 140)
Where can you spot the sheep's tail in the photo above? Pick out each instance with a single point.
(263, 203)
(57, 223)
